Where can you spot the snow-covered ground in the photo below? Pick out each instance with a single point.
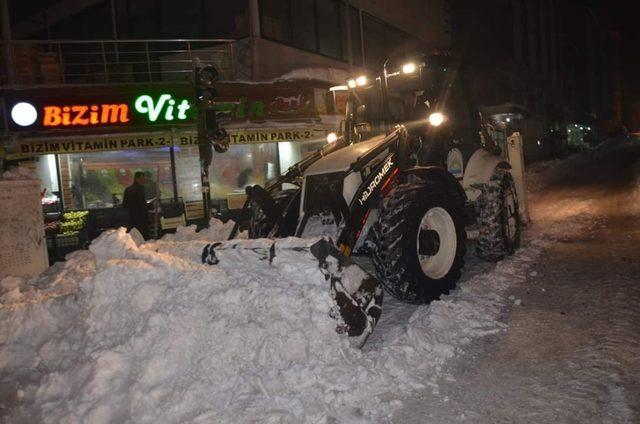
(133, 332)
(571, 350)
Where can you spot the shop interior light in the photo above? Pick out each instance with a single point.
(351, 83)
(362, 80)
(436, 119)
(332, 137)
(409, 68)
(339, 88)
(24, 114)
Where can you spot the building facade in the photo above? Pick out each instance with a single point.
(94, 91)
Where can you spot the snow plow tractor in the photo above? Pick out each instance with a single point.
(395, 190)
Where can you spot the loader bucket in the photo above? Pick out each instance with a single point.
(357, 294)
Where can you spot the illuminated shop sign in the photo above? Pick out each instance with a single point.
(164, 105)
(142, 110)
(138, 108)
(150, 140)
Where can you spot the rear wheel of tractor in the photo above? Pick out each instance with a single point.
(498, 218)
(260, 225)
(419, 241)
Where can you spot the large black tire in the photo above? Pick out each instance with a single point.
(395, 241)
(498, 218)
(260, 225)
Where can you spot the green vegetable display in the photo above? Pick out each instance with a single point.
(73, 222)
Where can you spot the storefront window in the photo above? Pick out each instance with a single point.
(293, 152)
(188, 173)
(241, 166)
(329, 28)
(356, 39)
(47, 173)
(98, 180)
(304, 24)
(276, 20)
(230, 172)
(374, 36)
(314, 25)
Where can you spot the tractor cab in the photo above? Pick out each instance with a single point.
(430, 96)
(360, 100)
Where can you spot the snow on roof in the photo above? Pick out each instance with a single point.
(330, 75)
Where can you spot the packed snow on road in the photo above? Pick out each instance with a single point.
(144, 332)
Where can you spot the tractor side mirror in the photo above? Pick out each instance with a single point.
(341, 127)
(363, 129)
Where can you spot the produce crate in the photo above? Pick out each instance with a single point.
(103, 219)
(60, 245)
(66, 240)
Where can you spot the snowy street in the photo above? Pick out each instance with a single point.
(131, 332)
(571, 352)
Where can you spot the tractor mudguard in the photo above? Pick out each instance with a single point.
(434, 173)
(480, 168)
(357, 294)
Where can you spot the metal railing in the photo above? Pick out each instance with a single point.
(52, 62)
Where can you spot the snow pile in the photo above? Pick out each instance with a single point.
(217, 230)
(60, 279)
(151, 334)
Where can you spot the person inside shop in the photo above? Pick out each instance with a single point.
(135, 203)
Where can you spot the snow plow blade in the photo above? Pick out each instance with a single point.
(357, 294)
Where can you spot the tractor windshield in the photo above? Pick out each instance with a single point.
(364, 112)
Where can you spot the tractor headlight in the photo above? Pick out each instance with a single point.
(409, 68)
(436, 119)
(362, 80)
(359, 81)
(332, 137)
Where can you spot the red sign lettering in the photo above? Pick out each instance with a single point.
(85, 115)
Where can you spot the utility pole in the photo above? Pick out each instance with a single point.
(210, 137)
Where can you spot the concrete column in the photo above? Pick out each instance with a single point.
(254, 34)
(6, 40)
